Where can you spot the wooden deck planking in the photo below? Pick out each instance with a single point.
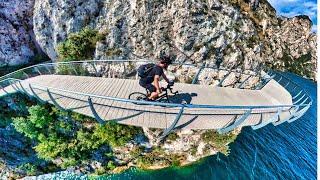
(100, 101)
(127, 107)
(114, 90)
(117, 109)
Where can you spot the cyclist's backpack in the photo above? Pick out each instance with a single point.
(144, 70)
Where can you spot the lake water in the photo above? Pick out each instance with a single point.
(287, 151)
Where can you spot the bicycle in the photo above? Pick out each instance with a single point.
(163, 97)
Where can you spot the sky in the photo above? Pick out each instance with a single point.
(290, 8)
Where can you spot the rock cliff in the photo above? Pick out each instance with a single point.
(17, 41)
(240, 33)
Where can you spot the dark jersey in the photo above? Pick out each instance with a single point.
(156, 70)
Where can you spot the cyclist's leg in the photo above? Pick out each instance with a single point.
(153, 91)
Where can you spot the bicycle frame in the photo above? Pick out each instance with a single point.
(165, 94)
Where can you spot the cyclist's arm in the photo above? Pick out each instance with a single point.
(165, 78)
(156, 83)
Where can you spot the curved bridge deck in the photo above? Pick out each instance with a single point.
(156, 116)
(276, 99)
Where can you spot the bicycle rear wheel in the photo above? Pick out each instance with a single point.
(137, 96)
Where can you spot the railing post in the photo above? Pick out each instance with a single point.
(286, 119)
(295, 102)
(25, 74)
(36, 96)
(172, 126)
(74, 69)
(271, 120)
(24, 90)
(195, 79)
(224, 78)
(299, 114)
(37, 69)
(94, 68)
(286, 85)
(240, 85)
(55, 102)
(297, 95)
(94, 112)
(5, 91)
(14, 86)
(236, 123)
(48, 69)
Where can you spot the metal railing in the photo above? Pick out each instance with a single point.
(126, 69)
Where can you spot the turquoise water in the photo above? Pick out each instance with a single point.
(287, 151)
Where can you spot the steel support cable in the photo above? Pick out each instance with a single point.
(224, 78)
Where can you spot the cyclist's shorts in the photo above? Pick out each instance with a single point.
(150, 87)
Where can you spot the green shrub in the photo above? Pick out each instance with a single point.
(151, 159)
(25, 127)
(193, 150)
(69, 162)
(80, 45)
(86, 141)
(51, 147)
(136, 151)
(147, 160)
(115, 134)
(219, 141)
(58, 137)
(175, 161)
(30, 169)
(111, 165)
(36, 123)
(40, 58)
(113, 52)
(172, 136)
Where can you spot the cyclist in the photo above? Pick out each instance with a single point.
(151, 81)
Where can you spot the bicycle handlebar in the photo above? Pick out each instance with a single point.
(170, 88)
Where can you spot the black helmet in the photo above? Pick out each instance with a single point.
(165, 60)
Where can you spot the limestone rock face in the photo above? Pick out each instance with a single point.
(17, 45)
(290, 42)
(240, 33)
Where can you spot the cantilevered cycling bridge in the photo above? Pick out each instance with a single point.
(100, 89)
